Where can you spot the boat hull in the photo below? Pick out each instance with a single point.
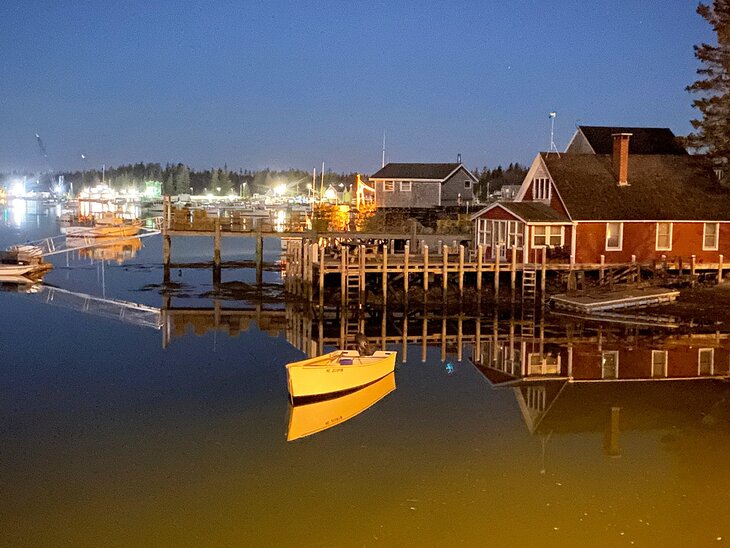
(337, 371)
(119, 231)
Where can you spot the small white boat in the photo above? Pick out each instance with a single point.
(310, 418)
(337, 371)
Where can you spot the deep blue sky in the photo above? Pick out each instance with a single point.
(292, 84)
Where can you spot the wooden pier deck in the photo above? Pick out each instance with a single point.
(613, 300)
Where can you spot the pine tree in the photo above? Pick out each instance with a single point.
(712, 132)
(224, 182)
(182, 179)
(214, 180)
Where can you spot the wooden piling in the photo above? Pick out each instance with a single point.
(321, 277)
(259, 256)
(496, 270)
(719, 269)
(543, 277)
(480, 258)
(692, 260)
(425, 269)
(406, 259)
(217, 242)
(461, 270)
(513, 274)
(445, 272)
(385, 276)
(602, 269)
(361, 271)
(343, 276)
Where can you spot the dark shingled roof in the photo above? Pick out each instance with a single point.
(534, 212)
(644, 140)
(415, 171)
(660, 188)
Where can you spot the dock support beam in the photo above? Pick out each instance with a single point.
(217, 251)
(425, 271)
(496, 271)
(385, 281)
(480, 259)
(719, 270)
(259, 258)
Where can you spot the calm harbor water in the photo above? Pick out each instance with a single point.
(110, 439)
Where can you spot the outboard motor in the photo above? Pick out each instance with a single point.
(363, 345)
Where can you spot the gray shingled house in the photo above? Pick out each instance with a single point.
(423, 185)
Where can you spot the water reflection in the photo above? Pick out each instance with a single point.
(119, 250)
(314, 416)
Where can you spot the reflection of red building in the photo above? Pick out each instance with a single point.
(611, 380)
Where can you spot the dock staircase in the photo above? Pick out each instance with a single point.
(529, 282)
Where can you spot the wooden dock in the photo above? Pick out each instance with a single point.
(446, 264)
(613, 300)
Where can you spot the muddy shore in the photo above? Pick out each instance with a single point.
(703, 305)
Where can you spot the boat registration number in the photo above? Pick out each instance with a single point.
(335, 370)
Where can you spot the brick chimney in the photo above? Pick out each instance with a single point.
(621, 157)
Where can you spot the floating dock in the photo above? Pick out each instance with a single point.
(605, 301)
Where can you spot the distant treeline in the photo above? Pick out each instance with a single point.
(180, 179)
(491, 180)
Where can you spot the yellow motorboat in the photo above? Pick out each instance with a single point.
(337, 371)
(310, 418)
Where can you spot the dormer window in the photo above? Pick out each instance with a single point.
(541, 188)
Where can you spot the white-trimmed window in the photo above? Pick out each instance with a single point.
(388, 186)
(543, 364)
(664, 236)
(541, 188)
(467, 185)
(484, 235)
(609, 364)
(705, 362)
(658, 363)
(614, 236)
(514, 234)
(405, 186)
(711, 237)
(547, 235)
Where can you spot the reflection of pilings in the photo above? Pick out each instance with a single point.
(611, 442)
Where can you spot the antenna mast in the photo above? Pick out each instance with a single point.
(553, 148)
(383, 162)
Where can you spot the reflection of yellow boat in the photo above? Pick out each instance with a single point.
(117, 250)
(310, 418)
(337, 371)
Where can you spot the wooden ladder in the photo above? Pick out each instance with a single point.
(529, 282)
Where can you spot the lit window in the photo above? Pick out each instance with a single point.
(658, 363)
(609, 365)
(467, 185)
(711, 236)
(541, 188)
(614, 236)
(547, 235)
(405, 186)
(664, 236)
(705, 361)
(388, 186)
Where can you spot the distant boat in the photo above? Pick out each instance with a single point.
(10, 272)
(337, 371)
(310, 418)
(106, 226)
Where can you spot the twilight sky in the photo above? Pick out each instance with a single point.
(293, 84)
